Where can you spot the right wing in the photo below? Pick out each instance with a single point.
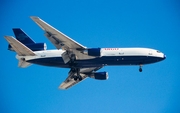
(20, 48)
(69, 82)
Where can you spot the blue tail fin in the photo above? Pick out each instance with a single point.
(22, 36)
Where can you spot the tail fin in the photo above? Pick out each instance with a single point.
(22, 36)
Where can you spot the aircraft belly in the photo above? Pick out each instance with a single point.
(95, 62)
(49, 61)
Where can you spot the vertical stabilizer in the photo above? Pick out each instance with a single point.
(24, 39)
(22, 36)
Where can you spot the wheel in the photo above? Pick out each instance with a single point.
(80, 78)
(140, 69)
(75, 78)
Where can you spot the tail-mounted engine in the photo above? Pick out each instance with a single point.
(92, 52)
(99, 75)
(33, 47)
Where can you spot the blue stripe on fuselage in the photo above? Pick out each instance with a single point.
(95, 62)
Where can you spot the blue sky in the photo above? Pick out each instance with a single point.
(96, 23)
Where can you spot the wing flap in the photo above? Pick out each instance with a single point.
(20, 48)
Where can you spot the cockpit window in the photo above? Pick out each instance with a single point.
(158, 51)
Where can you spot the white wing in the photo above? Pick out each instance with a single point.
(59, 39)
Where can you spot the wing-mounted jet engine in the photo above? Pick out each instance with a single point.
(92, 51)
(99, 75)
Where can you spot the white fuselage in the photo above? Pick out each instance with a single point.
(108, 56)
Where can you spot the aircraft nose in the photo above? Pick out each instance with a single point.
(164, 56)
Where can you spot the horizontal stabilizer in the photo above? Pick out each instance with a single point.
(20, 48)
(23, 64)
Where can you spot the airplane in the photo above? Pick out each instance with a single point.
(82, 61)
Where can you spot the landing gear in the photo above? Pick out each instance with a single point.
(72, 60)
(73, 57)
(140, 68)
(78, 76)
(75, 78)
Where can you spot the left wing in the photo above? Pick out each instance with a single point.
(69, 82)
(59, 39)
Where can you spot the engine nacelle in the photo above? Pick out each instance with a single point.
(93, 52)
(99, 75)
(33, 47)
(37, 46)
